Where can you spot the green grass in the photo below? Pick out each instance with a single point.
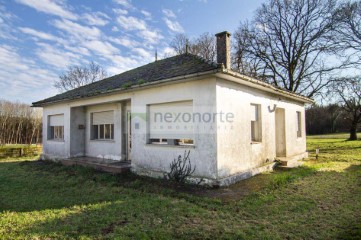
(321, 200)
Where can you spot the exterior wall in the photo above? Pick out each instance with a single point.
(158, 158)
(236, 152)
(108, 149)
(54, 149)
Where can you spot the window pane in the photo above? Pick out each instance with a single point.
(51, 135)
(107, 131)
(95, 132)
(112, 131)
(101, 132)
(61, 128)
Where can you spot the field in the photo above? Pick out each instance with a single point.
(320, 200)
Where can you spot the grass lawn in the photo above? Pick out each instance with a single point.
(320, 200)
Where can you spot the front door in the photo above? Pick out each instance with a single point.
(280, 128)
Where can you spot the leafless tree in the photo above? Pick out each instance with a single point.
(203, 46)
(348, 16)
(77, 76)
(179, 43)
(287, 43)
(348, 92)
(20, 123)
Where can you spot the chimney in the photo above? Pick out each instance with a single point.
(224, 49)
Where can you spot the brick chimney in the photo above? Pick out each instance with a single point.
(224, 49)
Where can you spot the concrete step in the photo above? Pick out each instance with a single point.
(115, 168)
(289, 162)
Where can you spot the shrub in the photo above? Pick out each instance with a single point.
(181, 168)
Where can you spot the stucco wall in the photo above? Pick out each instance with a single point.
(235, 150)
(52, 148)
(158, 158)
(109, 149)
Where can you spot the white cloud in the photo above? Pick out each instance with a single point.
(56, 8)
(169, 13)
(146, 13)
(142, 53)
(120, 11)
(38, 34)
(102, 48)
(124, 41)
(173, 25)
(124, 3)
(115, 29)
(23, 78)
(151, 36)
(77, 30)
(56, 57)
(96, 18)
(131, 23)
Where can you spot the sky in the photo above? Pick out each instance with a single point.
(40, 38)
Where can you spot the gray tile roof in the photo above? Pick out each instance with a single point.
(179, 65)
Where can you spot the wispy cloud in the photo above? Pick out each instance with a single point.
(56, 57)
(39, 34)
(23, 78)
(56, 8)
(124, 3)
(131, 23)
(146, 14)
(169, 13)
(173, 25)
(101, 47)
(170, 20)
(77, 30)
(96, 18)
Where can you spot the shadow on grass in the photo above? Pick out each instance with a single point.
(87, 203)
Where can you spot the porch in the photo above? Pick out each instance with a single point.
(105, 165)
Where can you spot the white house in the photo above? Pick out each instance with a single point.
(234, 126)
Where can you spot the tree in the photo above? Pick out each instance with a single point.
(77, 76)
(348, 16)
(348, 91)
(203, 46)
(288, 45)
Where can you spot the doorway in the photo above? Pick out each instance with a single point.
(280, 132)
(126, 131)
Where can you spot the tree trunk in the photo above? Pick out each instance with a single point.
(353, 133)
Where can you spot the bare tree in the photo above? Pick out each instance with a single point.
(348, 91)
(203, 46)
(179, 43)
(288, 44)
(77, 76)
(348, 16)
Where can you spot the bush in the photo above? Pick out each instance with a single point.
(181, 168)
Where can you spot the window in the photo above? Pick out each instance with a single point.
(299, 125)
(171, 123)
(102, 125)
(56, 127)
(256, 123)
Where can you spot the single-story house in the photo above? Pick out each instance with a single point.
(234, 126)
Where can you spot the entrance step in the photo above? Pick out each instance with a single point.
(289, 162)
(105, 165)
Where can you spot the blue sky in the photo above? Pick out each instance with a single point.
(40, 38)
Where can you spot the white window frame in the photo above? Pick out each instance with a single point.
(299, 124)
(256, 123)
(98, 135)
(56, 130)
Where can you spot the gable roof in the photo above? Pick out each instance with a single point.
(184, 65)
(167, 68)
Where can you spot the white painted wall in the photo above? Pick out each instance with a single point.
(235, 150)
(220, 148)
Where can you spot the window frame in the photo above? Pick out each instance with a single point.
(55, 132)
(299, 124)
(101, 134)
(256, 125)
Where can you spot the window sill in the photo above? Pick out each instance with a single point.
(102, 140)
(167, 145)
(55, 140)
(255, 143)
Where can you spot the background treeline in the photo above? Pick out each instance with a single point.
(327, 119)
(19, 123)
